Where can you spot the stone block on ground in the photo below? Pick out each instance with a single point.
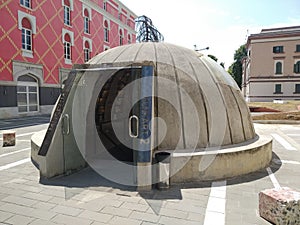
(280, 206)
(9, 138)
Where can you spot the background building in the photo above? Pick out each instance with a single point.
(271, 70)
(40, 40)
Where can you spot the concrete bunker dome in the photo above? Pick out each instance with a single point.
(163, 98)
(221, 117)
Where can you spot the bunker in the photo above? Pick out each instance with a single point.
(127, 104)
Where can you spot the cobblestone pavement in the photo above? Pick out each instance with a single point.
(86, 198)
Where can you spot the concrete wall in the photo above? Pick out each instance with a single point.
(221, 164)
(265, 91)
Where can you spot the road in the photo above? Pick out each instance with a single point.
(72, 200)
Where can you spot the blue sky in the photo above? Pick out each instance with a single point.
(221, 25)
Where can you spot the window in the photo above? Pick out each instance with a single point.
(278, 68)
(297, 48)
(104, 5)
(297, 88)
(277, 89)
(297, 67)
(27, 94)
(67, 48)
(87, 51)
(26, 3)
(86, 22)
(67, 12)
(26, 35)
(278, 49)
(129, 39)
(121, 37)
(106, 31)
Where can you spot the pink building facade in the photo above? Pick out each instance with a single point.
(40, 40)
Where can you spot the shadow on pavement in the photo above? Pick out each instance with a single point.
(91, 180)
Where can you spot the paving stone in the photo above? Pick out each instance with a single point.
(42, 214)
(57, 200)
(44, 205)
(129, 199)
(121, 220)
(19, 220)
(176, 221)
(148, 223)
(30, 188)
(11, 191)
(100, 217)
(15, 209)
(98, 223)
(116, 211)
(37, 196)
(5, 215)
(196, 217)
(66, 210)
(183, 207)
(136, 207)
(54, 193)
(173, 213)
(19, 200)
(42, 222)
(145, 216)
(71, 220)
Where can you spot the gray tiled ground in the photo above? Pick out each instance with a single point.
(24, 200)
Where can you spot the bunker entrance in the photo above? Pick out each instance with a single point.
(123, 113)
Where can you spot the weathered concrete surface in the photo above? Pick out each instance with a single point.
(280, 206)
(212, 164)
(36, 142)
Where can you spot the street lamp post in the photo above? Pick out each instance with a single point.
(201, 49)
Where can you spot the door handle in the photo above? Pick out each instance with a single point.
(66, 124)
(131, 133)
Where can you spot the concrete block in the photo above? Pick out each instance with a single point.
(9, 138)
(280, 206)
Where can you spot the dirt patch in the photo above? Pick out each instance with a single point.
(288, 106)
(262, 109)
(276, 111)
(279, 116)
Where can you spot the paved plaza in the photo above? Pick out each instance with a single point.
(85, 198)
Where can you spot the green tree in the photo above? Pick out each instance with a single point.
(236, 68)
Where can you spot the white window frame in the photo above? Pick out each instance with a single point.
(87, 54)
(68, 52)
(129, 40)
(85, 49)
(26, 34)
(121, 37)
(67, 15)
(282, 67)
(86, 24)
(106, 30)
(26, 3)
(28, 92)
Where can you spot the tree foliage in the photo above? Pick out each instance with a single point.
(236, 68)
(216, 59)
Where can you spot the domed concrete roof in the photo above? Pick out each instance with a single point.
(198, 101)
